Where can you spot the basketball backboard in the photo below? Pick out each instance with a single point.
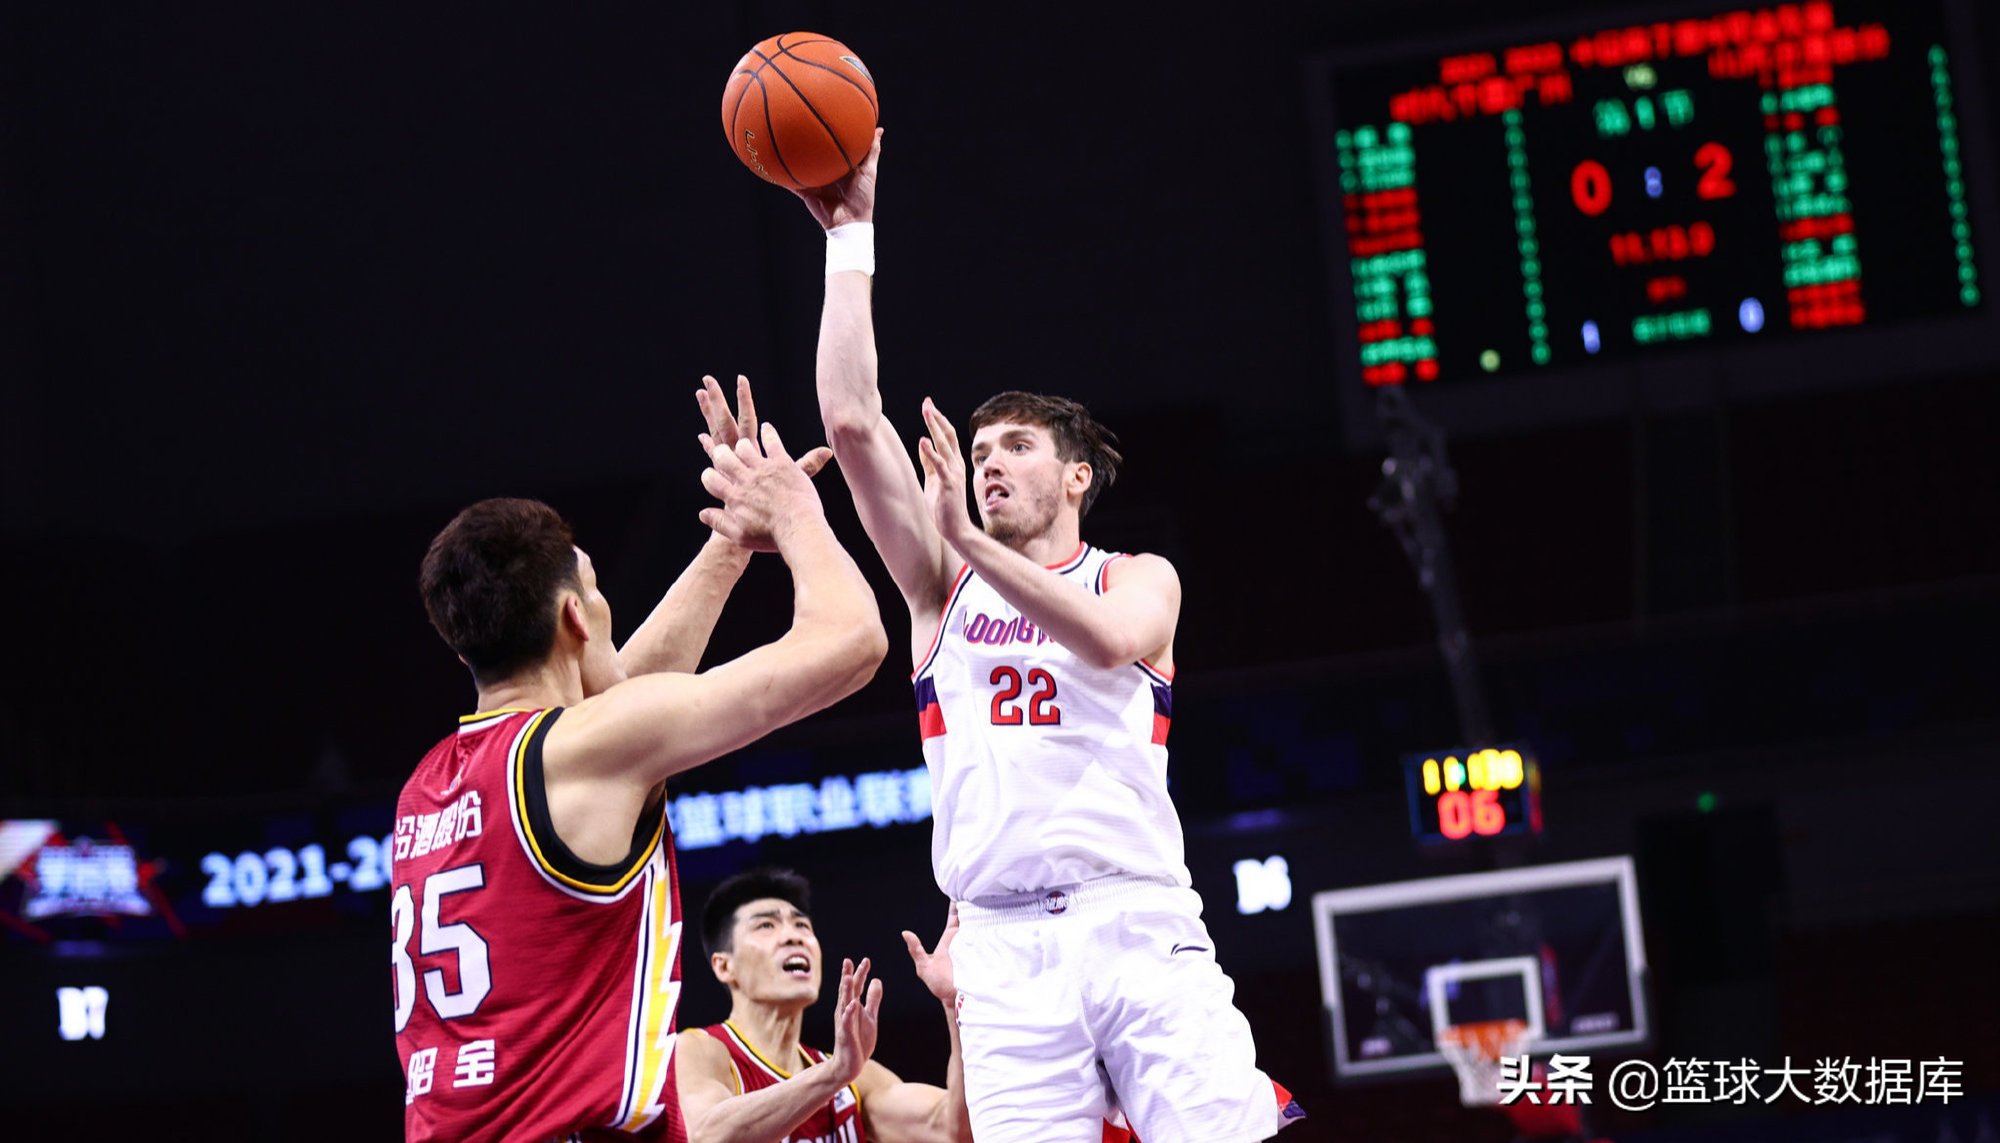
(1558, 946)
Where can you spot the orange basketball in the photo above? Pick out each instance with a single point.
(800, 110)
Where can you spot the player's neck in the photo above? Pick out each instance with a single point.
(1052, 546)
(772, 1030)
(556, 682)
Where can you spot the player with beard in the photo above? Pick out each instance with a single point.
(1043, 683)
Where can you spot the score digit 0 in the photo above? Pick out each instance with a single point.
(1590, 186)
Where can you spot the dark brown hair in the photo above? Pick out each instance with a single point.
(490, 582)
(718, 916)
(1078, 436)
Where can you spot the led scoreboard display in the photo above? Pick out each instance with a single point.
(1461, 794)
(1720, 177)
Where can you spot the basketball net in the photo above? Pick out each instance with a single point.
(1474, 1051)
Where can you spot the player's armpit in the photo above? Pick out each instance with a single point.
(893, 1111)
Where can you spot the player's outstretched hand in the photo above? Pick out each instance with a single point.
(763, 492)
(852, 199)
(934, 967)
(855, 1012)
(726, 429)
(944, 475)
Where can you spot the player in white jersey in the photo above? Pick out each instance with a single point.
(1043, 682)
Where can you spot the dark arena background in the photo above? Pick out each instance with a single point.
(1573, 425)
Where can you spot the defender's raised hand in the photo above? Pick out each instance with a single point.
(852, 199)
(854, 1020)
(944, 476)
(726, 429)
(934, 968)
(763, 492)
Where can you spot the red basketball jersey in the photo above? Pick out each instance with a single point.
(838, 1122)
(535, 992)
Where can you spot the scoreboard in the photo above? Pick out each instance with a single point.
(1554, 200)
(1459, 795)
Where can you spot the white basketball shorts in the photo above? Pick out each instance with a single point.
(1077, 1001)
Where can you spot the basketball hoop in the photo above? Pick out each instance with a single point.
(1475, 1050)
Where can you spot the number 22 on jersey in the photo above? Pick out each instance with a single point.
(1040, 705)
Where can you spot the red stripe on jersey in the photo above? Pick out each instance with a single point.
(930, 721)
(1160, 724)
(1289, 1111)
(1069, 564)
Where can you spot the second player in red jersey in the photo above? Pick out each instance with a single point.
(751, 1080)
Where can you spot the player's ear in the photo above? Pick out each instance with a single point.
(720, 964)
(1080, 476)
(571, 617)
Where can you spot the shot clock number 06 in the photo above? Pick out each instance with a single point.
(1459, 794)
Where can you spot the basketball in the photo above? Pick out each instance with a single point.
(800, 110)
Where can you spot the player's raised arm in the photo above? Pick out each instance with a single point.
(676, 633)
(878, 470)
(1132, 619)
(674, 636)
(895, 1111)
(716, 1113)
(645, 729)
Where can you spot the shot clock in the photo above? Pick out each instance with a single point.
(1458, 795)
(1726, 176)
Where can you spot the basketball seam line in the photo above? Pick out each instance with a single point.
(736, 112)
(770, 133)
(785, 51)
(845, 157)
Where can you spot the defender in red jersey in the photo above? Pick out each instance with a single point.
(535, 918)
(750, 1080)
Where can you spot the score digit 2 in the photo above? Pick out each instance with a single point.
(1042, 710)
(1714, 160)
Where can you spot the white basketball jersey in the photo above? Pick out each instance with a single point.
(1045, 770)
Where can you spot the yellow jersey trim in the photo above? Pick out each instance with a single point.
(782, 1073)
(475, 717)
(752, 1049)
(517, 764)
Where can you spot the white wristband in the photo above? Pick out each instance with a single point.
(851, 246)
